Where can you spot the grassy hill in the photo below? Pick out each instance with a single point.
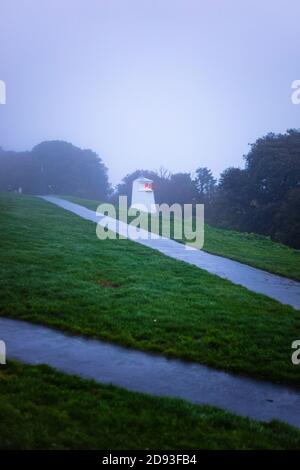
(249, 248)
(43, 409)
(55, 271)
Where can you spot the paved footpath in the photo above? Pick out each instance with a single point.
(279, 288)
(149, 373)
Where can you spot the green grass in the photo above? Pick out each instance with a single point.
(44, 409)
(55, 271)
(252, 249)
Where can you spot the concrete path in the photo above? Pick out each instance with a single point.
(279, 288)
(149, 373)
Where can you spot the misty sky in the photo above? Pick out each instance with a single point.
(144, 83)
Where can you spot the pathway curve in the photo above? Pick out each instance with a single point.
(149, 373)
(279, 288)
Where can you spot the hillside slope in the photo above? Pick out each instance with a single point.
(249, 248)
(54, 270)
(41, 408)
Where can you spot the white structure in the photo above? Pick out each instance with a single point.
(143, 195)
(2, 352)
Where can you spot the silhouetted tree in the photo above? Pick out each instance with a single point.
(287, 219)
(181, 189)
(205, 185)
(55, 167)
(230, 205)
(264, 197)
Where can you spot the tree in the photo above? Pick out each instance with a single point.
(273, 165)
(287, 220)
(264, 197)
(181, 189)
(205, 185)
(55, 167)
(230, 208)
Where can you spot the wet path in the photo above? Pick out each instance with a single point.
(149, 373)
(279, 288)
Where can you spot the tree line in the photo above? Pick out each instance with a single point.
(263, 197)
(55, 167)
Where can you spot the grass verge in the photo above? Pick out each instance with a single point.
(249, 248)
(44, 409)
(56, 272)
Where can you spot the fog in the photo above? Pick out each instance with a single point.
(179, 84)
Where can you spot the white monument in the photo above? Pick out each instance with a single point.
(2, 352)
(143, 195)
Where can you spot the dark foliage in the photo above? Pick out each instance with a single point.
(169, 188)
(55, 167)
(264, 197)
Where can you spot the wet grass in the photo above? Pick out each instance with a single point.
(44, 409)
(249, 248)
(56, 272)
